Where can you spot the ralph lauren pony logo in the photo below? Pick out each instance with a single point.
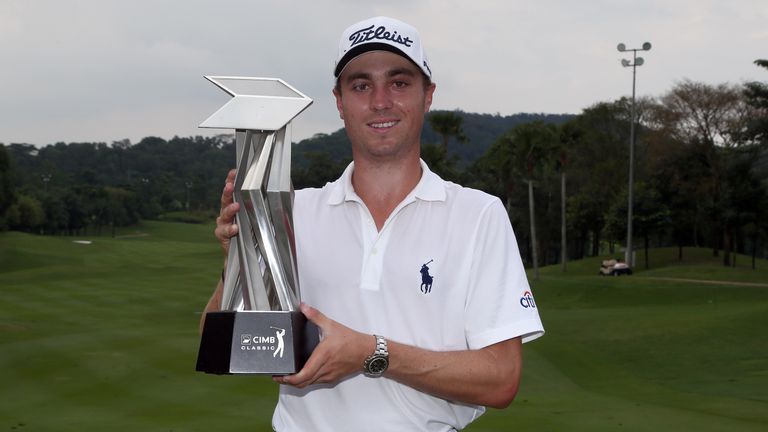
(426, 278)
(368, 33)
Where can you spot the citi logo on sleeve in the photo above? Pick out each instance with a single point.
(526, 300)
(368, 33)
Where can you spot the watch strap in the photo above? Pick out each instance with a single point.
(377, 363)
(381, 346)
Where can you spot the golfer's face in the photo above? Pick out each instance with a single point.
(382, 102)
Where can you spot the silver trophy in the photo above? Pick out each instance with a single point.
(259, 329)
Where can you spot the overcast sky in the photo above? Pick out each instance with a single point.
(104, 70)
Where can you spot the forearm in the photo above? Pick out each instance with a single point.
(214, 303)
(225, 230)
(488, 376)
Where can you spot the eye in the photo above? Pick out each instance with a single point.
(399, 84)
(360, 86)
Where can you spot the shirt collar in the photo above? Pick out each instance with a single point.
(430, 187)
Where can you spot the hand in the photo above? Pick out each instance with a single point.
(226, 228)
(341, 352)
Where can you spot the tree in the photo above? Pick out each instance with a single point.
(745, 199)
(122, 208)
(682, 181)
(569, 135)
(26, 214)
(699, 112)
(651, 215)
(449, 125)
(56, 214)
(439, 162)
(756, 94)
(321, 169)
(715, 118)
(6, 187)
(597, 162)
(76, 216)
(530, 150)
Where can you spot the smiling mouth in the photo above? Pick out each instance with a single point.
(382, 125)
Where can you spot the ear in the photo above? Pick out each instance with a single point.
(428, 92)
(339, 105)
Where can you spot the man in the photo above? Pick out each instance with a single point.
(394, 356)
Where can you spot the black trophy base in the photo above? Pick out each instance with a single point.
(256, 342)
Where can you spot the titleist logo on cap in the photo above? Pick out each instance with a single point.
(368, 33)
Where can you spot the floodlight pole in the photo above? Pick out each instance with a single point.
(636, 61)
(46, 178)
(188, 184)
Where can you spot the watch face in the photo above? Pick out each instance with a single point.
(378, 365)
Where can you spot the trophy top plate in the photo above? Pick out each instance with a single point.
(255, 86)
(264, 104)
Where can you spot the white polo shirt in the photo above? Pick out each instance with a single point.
(374, 282)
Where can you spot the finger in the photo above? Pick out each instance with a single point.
(221, 234)
(227, 214)
(225, 232)
(229, 188)
(315, 378)
(307, 375)
(315, 316)
(298, 381)
(227, 194)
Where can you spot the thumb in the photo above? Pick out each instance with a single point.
(314, 315)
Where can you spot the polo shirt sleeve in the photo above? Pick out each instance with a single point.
(499, 305)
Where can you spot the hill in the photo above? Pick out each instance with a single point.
(481, 130)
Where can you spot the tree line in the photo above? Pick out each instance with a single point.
(701, 175)
(91, 188)
(701, 166)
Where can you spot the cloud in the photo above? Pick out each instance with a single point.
(93, 70)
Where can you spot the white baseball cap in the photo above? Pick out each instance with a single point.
(381, 34)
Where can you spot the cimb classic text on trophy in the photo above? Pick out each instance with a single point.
(259, 329)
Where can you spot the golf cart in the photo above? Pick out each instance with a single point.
(614, 267)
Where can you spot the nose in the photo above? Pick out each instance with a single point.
(381, 99)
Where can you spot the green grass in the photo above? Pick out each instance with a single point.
(104, 337)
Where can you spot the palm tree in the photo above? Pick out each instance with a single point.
(569, 134)
(533, 146)
(447, 124)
